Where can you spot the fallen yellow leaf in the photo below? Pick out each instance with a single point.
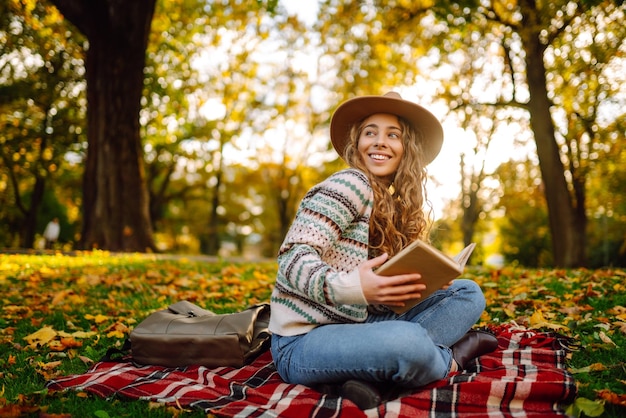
(77, 334)
(115, 334)
(98, 319)
(537, 318)
(50, 365)
(618, 311)
(60, 296)
(83, 334)
(41, 337)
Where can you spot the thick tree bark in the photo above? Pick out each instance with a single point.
(30, 221)
(567, 227)
(213, 242)
(470, 203)
(115, 199)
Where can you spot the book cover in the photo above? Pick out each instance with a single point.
(437, 269)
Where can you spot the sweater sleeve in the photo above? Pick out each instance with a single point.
(327, 241)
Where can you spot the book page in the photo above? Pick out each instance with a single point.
(464, 255)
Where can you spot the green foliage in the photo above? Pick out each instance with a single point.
(483, 51)
(42, 111)
(607, 197)
(524, 223)
(202, 108)
(51, 208)
(238, 96)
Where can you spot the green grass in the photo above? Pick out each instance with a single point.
(98, 297)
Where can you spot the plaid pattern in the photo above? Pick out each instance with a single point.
(525, 377)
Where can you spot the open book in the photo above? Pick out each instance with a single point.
(436, 268)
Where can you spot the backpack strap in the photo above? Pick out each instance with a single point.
(124, 350)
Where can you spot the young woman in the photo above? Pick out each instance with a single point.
(331, 323)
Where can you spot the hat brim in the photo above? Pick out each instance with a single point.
(355, 110)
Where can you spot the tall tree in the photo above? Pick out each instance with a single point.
(524, 228)
(532, 38)
(534, 24)
(41, 114)
(115, 200)
(256, 101)
(473, 175)
(167, 116)
(607, 195)
(385, 34)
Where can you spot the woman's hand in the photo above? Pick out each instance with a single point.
(445, 286)
(388, 290)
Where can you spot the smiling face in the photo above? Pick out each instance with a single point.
(380, 145)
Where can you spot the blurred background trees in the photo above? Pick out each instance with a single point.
(231, 126)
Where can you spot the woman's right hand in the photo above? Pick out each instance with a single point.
(388, 290)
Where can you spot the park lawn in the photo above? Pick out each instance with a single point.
(60, 313)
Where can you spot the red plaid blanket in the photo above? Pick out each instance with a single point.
(525, 377)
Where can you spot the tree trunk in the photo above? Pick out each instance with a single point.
(568, 234)
(30, 220)
(471, 213)
(213, 242)
(469, 204)
(115, 199)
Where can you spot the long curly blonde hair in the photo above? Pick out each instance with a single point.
(398, 215)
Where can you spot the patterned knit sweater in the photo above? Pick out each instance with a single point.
(318, 281)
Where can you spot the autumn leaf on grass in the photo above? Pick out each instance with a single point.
(64, 343)
(60, 296)
(537, 320)
(509, 310)
(618, 311)
(48, 370)
(621, 326)
(612, 397)
(41, 337)
(183, 282)
(46, 271)
(56, 340)
(117, 330)
(98, 319)
(77, 334)
(575, 311)
(86, 360)
(587, 406)
(595, 367)
(89, 280)
(50, 365)
(590, 292)
(605, 339)
(12, 410)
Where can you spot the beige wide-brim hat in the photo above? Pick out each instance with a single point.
(355, 110)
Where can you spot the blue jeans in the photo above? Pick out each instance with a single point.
(411, 350)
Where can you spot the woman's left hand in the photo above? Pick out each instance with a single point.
(388, 290)
(445, 286)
